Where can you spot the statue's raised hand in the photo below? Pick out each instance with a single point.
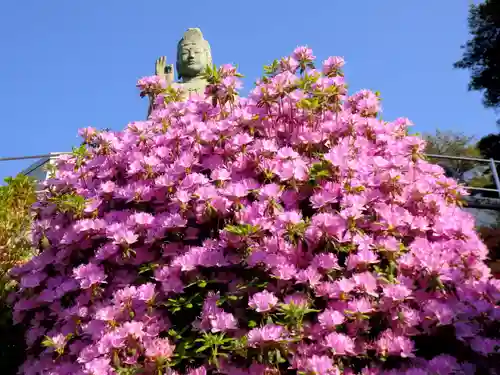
(164, 70)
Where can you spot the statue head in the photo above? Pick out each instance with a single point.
(193, 54)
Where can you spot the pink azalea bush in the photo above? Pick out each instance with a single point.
(292, 231)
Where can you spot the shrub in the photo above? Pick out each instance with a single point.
(288, 232)
(16, 198)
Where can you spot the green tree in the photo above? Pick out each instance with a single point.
(16, 198)
(482, 52)
(489, 146)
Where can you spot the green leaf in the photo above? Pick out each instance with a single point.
(47, 342)
(70, 202)
(202, 283)
(272, 68)
(147, 267)
(243, 230)
(202, 349)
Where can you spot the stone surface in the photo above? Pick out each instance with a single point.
(478, 206)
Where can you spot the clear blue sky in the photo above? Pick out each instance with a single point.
(71, 64)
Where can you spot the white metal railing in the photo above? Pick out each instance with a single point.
(492, 165)
(34, 156)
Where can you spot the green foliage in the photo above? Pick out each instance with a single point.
(319, 171)
(481, 55)
(16, 198)
(272, 69)
(215, 346)
(181, 303)
(172, 95)
(243, 230)
(292, 316)
(489, 146)
(212, 74)
(80, 153)
(70, 203)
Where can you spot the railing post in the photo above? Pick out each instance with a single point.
(493, 167)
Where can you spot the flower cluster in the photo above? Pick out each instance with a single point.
(152, 85)
(289, 231)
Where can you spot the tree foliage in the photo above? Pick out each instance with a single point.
(489, 146)
(481, 53)
(16, 198)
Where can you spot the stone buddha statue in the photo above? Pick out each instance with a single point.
(193, 56)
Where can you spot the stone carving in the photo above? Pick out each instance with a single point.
(193, 56)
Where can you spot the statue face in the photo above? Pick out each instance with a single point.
(192, 60)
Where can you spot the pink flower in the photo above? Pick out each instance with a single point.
(321, 365)
(289, 64)
(58, 341)
(390, 344)
(99, 366)
(32, 280)
(298, 299)
(339, 343)
(268, 333)
(366, 282)
(107, 313)
(310, 276)
(326, 261)
(198, 371)
(125, 295)
(159, 348)
(443, 365)
(485, 346)
(143, 219)
(135, 329)
(222, 321)
(151, 85)
(332, 64)
(442, 312)
(361, 258)
(146, 292)
(396, 292)
(87, 133)
(108, 187)
(303, 54)
(263, 301)
(89, 275)
(329, 319)
(112, 340)
(125, 237)
(220, 174)
(284, 271)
